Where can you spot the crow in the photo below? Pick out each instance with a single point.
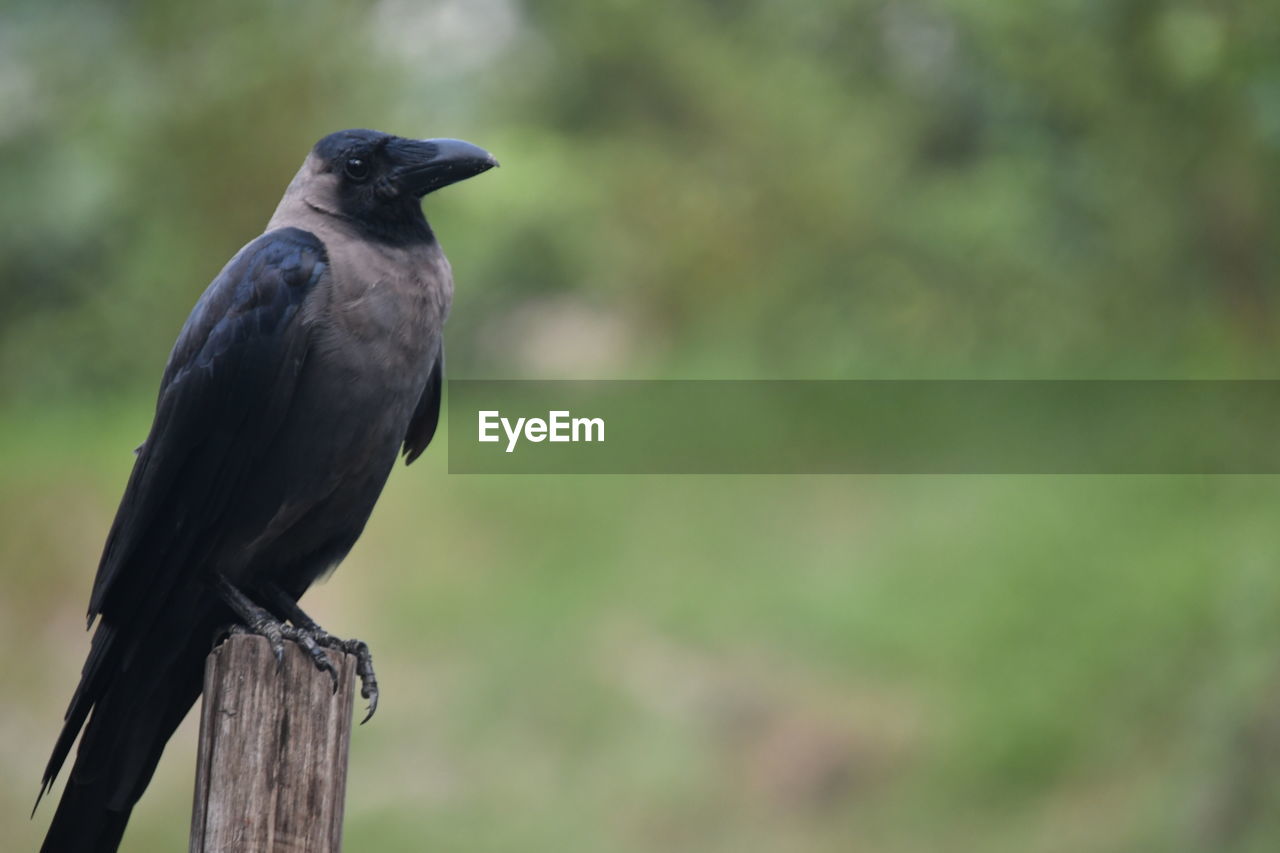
(313, 359)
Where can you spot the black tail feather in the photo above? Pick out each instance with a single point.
(90, 688)
(134, 713)
(83, 824)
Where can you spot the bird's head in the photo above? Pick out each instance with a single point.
(376, 181)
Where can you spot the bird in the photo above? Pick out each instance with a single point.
(310, 364)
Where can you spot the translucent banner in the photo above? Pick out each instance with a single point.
(864, 427)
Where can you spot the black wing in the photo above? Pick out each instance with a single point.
(228, 384)
(426, 416)
(225, 390)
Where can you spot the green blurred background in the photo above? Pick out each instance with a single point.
(847, 188)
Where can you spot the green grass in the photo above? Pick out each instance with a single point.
(737, 663)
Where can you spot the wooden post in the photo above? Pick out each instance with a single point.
(272, 767)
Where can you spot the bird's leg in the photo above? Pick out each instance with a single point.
(305, 631)
(254, 619)
(320, 639)
(286, 606)
(263, 623)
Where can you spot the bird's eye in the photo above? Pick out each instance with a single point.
(357, 168)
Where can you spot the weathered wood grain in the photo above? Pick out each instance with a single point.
(272, 766)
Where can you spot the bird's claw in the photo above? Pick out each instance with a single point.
(311, 644)
(368, 682)
(306, 633)
(364, 668)
(262, 625)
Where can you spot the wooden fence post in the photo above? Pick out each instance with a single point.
(272, 767)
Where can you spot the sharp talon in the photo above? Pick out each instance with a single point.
(312, 641)
(364, 669)
(333, 674)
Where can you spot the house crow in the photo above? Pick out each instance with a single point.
(308, 364)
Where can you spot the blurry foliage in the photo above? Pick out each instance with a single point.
(750, 189)
(845, 188)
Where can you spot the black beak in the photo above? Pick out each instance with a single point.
(425, 165)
